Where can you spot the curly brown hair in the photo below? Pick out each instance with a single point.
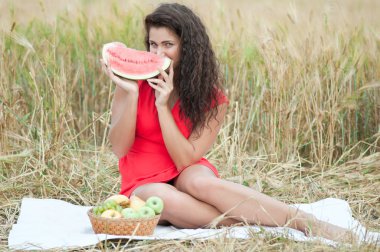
(197, 78)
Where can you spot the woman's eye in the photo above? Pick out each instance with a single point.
(168, 44)
(153, 45)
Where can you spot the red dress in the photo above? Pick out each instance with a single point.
(148, 160)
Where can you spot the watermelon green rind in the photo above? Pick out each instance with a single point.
(146, 74)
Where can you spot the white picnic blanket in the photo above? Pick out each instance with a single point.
(50, 223)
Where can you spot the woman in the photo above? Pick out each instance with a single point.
(161, 129)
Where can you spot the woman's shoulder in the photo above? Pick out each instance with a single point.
(221, 97)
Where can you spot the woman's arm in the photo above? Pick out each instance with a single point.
(123, 113)
(123, 121)
(185, 152)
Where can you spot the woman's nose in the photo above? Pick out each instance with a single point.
(160, 52)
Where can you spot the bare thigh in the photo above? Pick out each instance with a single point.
(161, 190)
(181, 209)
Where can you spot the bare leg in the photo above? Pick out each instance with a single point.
(246, 204)
(181, 209)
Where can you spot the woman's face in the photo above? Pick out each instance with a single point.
(164, 42)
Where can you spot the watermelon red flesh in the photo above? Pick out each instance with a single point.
(133, 64)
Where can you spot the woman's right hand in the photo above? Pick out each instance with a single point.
(126, 84)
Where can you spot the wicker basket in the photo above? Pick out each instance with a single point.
(140, 227)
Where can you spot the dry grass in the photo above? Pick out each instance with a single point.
(303, 122)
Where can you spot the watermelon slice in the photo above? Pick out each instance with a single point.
(132, 64)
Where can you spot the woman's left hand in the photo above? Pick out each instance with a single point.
(163, 86)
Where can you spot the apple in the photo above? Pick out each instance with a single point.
(130, 213)
(111, 213)
(156, 203)
(146, 212)
(110, 204)
(119, 208)
(136, 203)
(97, 211)
(101, 209)
(120, 199)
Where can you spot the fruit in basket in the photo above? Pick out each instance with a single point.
(119, 208)
(123, 221)
(110, 204)
(106, 205)
(130, 213)
(137, 208)
(98, 210)
(155, 203)
(111, 213)
(146, 212)
(120, 199)
(136, 203)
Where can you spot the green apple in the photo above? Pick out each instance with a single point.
(156, 203)
(130, 213)
(146, 212)
(110, 204)
(96, 210)
(119, 208)
(101, 209)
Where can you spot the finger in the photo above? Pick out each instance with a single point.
(160, 83)
(110, 73)
(113, 77)
(157, 81)
(155, 87)
(104, 63)
(164, 74)
(171, 71)
(168, 79)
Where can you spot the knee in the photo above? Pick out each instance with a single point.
(161, 190)
(168, 193)
(200, 187)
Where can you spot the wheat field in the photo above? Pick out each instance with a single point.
(303, 79)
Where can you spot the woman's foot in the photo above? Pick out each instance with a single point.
(311, 226)
(330, 231)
